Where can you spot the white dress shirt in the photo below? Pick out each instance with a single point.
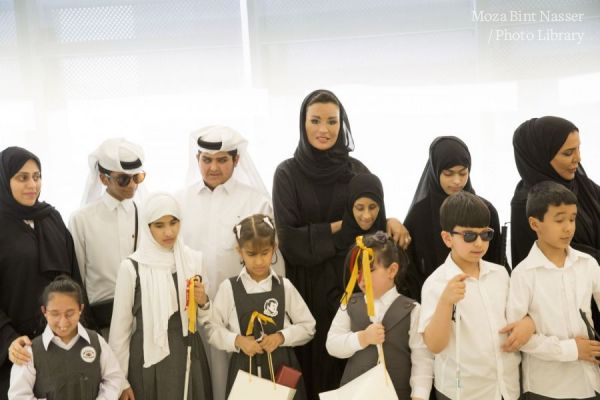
(208, 218)
(343, 343)
(22, 377)
(552, 297)
(225, 327)
(123, 321)
(103, 233)
(486, 371)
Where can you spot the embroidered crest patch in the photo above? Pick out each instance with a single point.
(271, 306)
(88, 354)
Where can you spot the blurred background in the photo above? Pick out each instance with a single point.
(75, 72)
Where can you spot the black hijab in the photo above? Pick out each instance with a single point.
(361, 185)
(331, 165)
(49, 230)
(536, 142)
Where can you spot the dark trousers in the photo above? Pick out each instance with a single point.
(533, 396)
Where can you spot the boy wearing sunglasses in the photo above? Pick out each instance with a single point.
(105, 228)
(463, 310)
(555, 284)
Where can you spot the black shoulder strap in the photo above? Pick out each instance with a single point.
(135, 309)
(135, 235)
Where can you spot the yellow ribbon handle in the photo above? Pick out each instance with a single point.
(367, 258)
(191, 306)
(256, 315)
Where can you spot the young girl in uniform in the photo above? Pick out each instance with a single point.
(150, 324)
(68, 361)
(354, 335)
(258, 289)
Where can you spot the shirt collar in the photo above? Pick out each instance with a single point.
(388, 297)
(48, 335)
(245, 275)
(452, 269)
(537, 259)
(228, 187)
(113, 203)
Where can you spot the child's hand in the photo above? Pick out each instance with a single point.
(455, 290)
(588, 350)
(127, 394)
(17, 353)
(519, 333)
(374, 334)
(270, 343)
(200, 293)
(248, 345)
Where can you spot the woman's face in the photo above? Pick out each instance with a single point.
(322, 125)
(365, 212)
(165, 230)
(567, 159)
(453, 180)
(26, 184)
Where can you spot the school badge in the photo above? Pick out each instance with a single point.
(270, 307)
(88, 354)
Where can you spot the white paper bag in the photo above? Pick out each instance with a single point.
(373, 384)
(247, 386)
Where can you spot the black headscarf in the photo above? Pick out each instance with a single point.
(332, 165)
(361, 185)
(49, 230)
(536, 142)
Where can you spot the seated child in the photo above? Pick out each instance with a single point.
(555, 284)
(353, 335)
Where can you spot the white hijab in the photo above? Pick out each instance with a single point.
(156, 266)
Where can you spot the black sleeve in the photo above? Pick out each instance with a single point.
(496, 249)
(521, 235)
(300, 243)
(7, 335)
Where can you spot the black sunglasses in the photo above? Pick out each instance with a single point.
(124, 179)
(470, 236)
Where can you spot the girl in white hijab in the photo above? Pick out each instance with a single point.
(149, 327)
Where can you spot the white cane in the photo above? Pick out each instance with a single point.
(457, 340)
(188, 366)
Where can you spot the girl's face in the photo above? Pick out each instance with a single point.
(26, 184)
(453, 180)
(62, 313)
(165, 230)
(257, 260)
(365, 211)
(381, 277)
(566, 161)
(322, 125)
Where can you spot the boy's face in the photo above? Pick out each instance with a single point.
(463, 251)
(557, 228)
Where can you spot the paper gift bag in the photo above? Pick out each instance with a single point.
(373, 384)
(247, 386)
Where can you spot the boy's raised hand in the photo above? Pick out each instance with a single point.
(374, 334)
(200, 292)
(455, 289)
(248, 345)
(588, 350)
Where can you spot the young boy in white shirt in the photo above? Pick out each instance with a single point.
(473, 292)
(554, 284)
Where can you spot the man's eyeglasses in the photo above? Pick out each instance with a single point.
(124, 179)
(470, 236)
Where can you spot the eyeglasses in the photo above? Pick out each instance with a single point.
(470, 236)
(124, 179)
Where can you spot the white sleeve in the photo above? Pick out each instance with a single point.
(421, 373)
(22, 380)
(595, 277)
(430, 296)
(112, 376)
(341, 341)
(121, 324)
(79, 244)
(549, 348)
(301, 329)
(220, 331)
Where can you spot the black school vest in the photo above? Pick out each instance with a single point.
(67, 374)
(395, 348)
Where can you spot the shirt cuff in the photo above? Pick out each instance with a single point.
(231, 339)
(286, 336)
(421, 392)
(568, 349)
(354, 343)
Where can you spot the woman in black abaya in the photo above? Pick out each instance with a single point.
(35, 247)
(447, 171)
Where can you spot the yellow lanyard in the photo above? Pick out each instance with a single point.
(367, 258)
